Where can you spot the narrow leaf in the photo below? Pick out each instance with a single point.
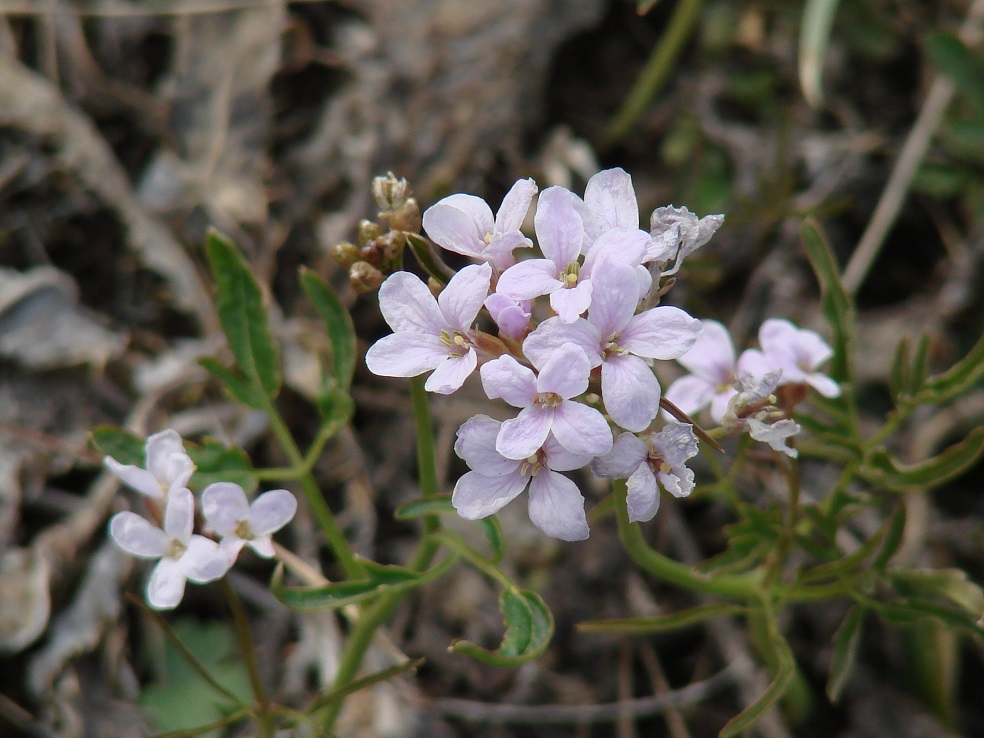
(491, 527)
(835, 302)
(529, 628)
(381, 578)
(881, 469)
(893, 538)
(217, 462)
(428, 258)
(954, 382)
(846, 641)
(338, 323)
(964, 68)
(785, 674)
(233, 382)
(898, 378)
(123, 445)
(243, 315)
(335, 404)
(920, 365)
(663, 623)
(818, 19)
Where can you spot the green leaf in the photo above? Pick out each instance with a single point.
(182, 699)
(529, 628)
(881, 469)
(818, 19)
(243, 315)
(785, 675)
(898, 378)
(663, 623)
(233, 382)
(844, 564)
(950, 584)
(846, 641)
(381, 578)
(338, 323)
(964, 67)
(217, 462)
(835, 302)
(920, 365)
(893, 538)
(954, 382)
(335, 405)
(123, 445)
(490, 526)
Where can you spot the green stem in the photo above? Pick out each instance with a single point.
(776, 561)
(333, 534)
(373, 616)
(655, 73)
(736, 586)
(245, 635)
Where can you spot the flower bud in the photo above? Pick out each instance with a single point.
(389, 192)
(406, 217)
(345, 254)
(369, 231)
(364, 277)
(391, 244)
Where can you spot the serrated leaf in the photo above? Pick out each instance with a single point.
(529, 628)
(881, 469)
(663, 623)
(233, 382)
(490, 526)
(835, 302)
(380, 579)
(846, 641)
(217, 462)
(954, 382)
(964, 67)
(338, 323)
(243, 316)
(783, 679)
(123, 445)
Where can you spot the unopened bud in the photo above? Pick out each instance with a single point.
(391, 244)
(369, 231)
(406, 217)
(364, 277)
(389, 192)
(434, 286)
(345, 253)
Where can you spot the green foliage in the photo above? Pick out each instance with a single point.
(663, 623)
(181, 699)
(490, 526)
(529, 628)
(380, 579)
(217, 462)
(818, 20)
(256, 379)
(123, 445)
(846, 642)
(883, 470)
(338, 324)
(835, 302)
(964, 67)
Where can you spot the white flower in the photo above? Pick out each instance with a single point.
(240, 523)
(753, 409)
(796, 352)
(183, 556)
(168, 467)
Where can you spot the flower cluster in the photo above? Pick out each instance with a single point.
(576, 335)
(183, 555)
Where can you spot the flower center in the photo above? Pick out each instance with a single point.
(569, 275)
(242, 530)
(548, 399)
(612, 348)
(487, 238)
(456, 342)
(177, 549)
(533, 464)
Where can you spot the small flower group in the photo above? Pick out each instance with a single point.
(183, 555)
(582, 363)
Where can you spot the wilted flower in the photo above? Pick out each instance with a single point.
(167, 467)
(183, 556)
(753, 409)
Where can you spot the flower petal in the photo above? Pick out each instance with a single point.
(451, 373)
(660, 333)
(224, 505)
(167, 585)
(407, 305)
(262, 546)
(515, 206)
(459, 223)
(713, 354)
(529, 279)
(565, 373)
(823, 384)
(691, 394)
(553, 334)
(559, 458)
(570, 302)
(202, 561)
(137, 479)
(475, 444)
(581, 429)
(559, 228)
(630, 391)
(179, 515)
(627, 453)
(476, 496)
(137, 536)
(159, 449)
(506, 378)
(405, 354)
(610, 196)
(614, 298)
(557, 507)
(521, 437)
(642, 498)
(464, 295)
(271, 511)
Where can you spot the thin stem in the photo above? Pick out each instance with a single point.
(245, 635)
(373, 616)
(333, 534)
(776, 561)
(737, 586)
(655, 73)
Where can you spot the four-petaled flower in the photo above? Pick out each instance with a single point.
(183, 555)
(430, 334)
(168, 467)
(241, 523)
(555, 504)
(796, 352)
(711, 381)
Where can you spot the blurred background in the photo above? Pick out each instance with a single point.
(128, 127)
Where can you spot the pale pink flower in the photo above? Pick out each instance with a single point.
(644, 461)
(796, 352)
(556, 506)
(711, 381)
(464, 224)
(753, 409)
(183, 556)
(430, 334)
(546, 405)
(241, 523)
